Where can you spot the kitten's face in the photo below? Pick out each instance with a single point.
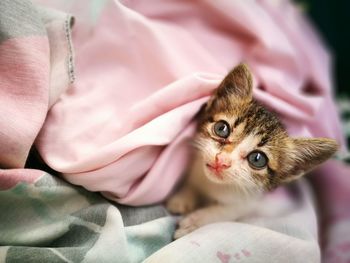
(242, 143)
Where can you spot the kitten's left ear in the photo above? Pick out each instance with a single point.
(238, 82)
(307, 153)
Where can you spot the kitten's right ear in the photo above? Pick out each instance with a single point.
(238, 83)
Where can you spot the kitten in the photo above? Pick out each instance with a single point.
(241, 151)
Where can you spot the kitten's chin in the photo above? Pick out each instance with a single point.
(217, 177)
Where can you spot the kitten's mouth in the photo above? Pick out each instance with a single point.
(216, 170)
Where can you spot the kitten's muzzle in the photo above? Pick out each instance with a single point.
(221, 163)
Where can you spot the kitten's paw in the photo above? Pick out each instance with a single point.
(180, 232)
(180, 204)
(187, 225)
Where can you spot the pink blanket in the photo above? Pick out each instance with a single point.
(143, 72)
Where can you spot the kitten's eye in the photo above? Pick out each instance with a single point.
(257, 160)
(222, 129)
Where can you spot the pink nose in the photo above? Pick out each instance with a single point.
(223, 160)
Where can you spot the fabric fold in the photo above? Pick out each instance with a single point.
(137, 89)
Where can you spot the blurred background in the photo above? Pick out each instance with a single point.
(333, 21)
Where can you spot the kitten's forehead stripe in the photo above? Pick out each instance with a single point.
(263, 141)
(261, 121)
(238, 121)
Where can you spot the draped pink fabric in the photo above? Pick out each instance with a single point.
(24, 100)
(145, 68)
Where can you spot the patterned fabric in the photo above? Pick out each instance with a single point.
(52, 221)
(35, 54)
(42, 218)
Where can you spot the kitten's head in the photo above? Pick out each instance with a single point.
(242, 143)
